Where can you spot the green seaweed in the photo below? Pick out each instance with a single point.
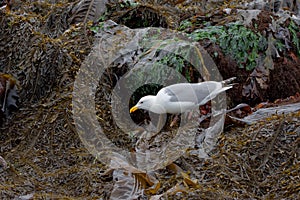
(235, 40)
(210, 32)
(185, 24)
(294, 29)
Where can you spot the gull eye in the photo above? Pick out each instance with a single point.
(141, 102)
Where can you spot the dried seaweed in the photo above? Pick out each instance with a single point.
(260, 161)
(42, 156)
(87, 10)
(8, 95)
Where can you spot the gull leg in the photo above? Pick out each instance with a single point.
(160, 123)
(174, 121)
(190, 115)
(187, 116)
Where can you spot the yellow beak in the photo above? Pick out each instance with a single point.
(134, 108)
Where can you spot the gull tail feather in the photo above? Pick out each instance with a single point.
(214, 94)
(228, 82)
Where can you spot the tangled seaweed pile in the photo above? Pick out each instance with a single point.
(259, 162)
(43, 45)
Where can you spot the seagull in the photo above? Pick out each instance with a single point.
(182, 97)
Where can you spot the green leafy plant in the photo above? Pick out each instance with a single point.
(97, 27)
(176, 62)
(235, 40)
(279, 45)
(210, 32)
(185, 24)
(243, 44)
(294, 29)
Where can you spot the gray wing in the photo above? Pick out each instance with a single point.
(197, 93)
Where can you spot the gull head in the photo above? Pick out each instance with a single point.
(145, 103)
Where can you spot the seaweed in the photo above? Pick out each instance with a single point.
(242, 44)
(42, 156)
